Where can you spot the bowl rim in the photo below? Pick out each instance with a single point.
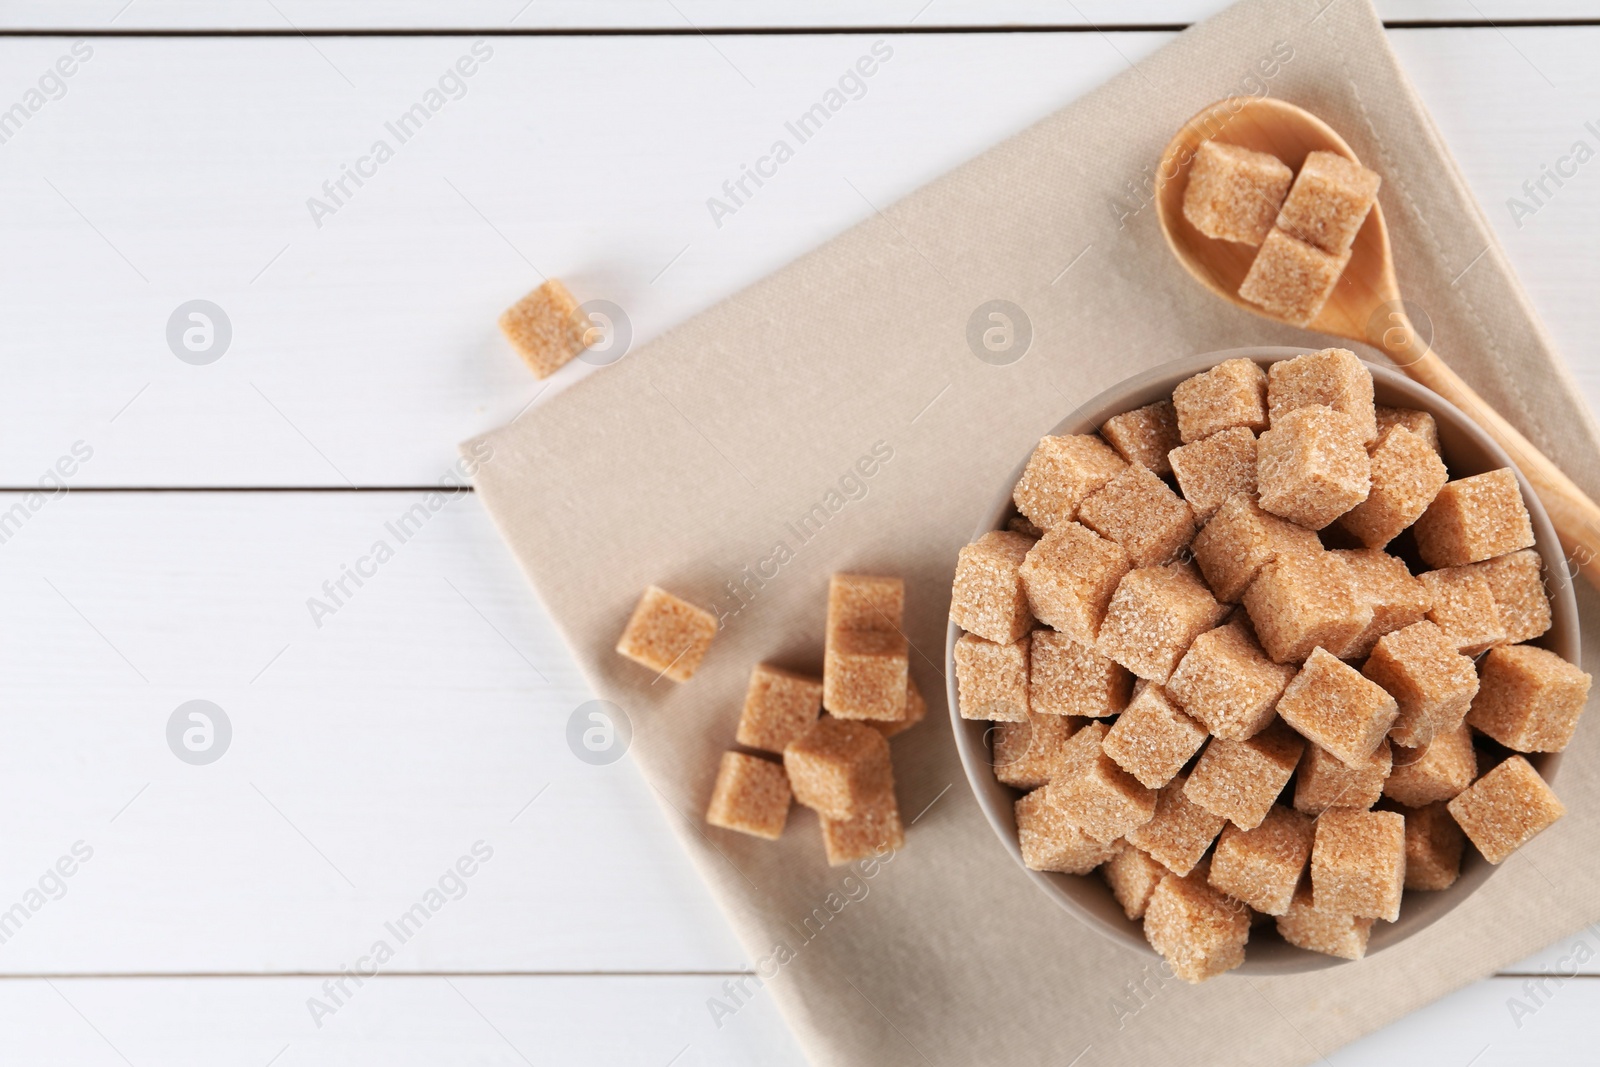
(1089, 900)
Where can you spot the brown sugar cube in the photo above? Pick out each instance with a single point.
(1211, 470)
(778, 707)
(546, 328)
(1358, 862)
(1303, 601)
(1331, 933)
(1133, 875)
(873, 831)
(668, 635)
(988, 598)
(991, 679)
(864, 674)
(1234, 193)
(1434, 844)
(1386, 585)
(1028, 754)
(1066, 677)
(1156, 614)
(1418, 422)
(1240, 539)
(1439, 770)
(1506, 808)
(1138, 511)
(1529, 699)
(1333, 378)
(866, 602)
(1474, 519)
(1097, 796)
(838, 768)
(1262, 866)
(1228, 684)
(916, 711)
(1406, 476)
(1239, 780)
(1291, 279)
(1332, 705)
(1145, 435)
(1020, 524)
(1200, 932)
(1153, 739)
(1060, 473)
(1325, 781)
(1311, 466)
(1517, 584)
(1329, 201)
(751, 796)
(1181, 830)
(1430, 680)
(1050, 843)
(1464, 608)
(1233, 393)
(1069, 578)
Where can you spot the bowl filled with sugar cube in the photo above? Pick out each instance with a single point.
(1264, 660)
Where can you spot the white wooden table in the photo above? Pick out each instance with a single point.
(376, 746)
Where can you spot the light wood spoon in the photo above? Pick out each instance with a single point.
(1365, 306)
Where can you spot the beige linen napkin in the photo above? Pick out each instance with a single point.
(693, 460)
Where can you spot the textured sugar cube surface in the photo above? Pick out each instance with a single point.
(1332, 705)
(1302, 601)
(1211, 470)
(1463, 608)
(1506, 808)
(1418, 422)
(991, 679)
(1439, 770)
(1138, 511)
(1332, 378)
(1516, 581)
(1060, 473)
(866, 602)
(1239, 780)
(1234, 193)
(916, 711)
(1180, 831)
(1050, 843)
(1434, 843)
(1332, 933)
(865, 673)
(1431, 681)
(1325, 781)
(1529, 699)
(1145, 435)
(1200, 932)
(1233, 393)
(1094, 794)
(667, 634)
(839, 768)
(1155, 615)
(874, 831)
(1133, 874)
(1358, 862)
(1262, 866)
(1384, 584)
(1069, 577)
(988, 598)
(1028, 754)
(1329, 201)
(1067, 677)
(546, 328)
(1474, 519)
(1290, 279)
(1227, 682)
(1312, 467)
(1407, 475)
(779, 706)
(1153, 738)
(1240, 539)
(751, 796)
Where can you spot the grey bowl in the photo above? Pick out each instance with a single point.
(1467, 450)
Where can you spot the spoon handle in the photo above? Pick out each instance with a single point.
(1575, 516)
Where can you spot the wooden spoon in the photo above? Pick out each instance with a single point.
(1365, 306)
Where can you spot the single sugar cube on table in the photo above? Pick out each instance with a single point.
(1069, 577)
(1431, 681)
(546, 328)
(1138, 511)
(1506, 808)
(916, 711)
(1474, 519)
(1180, 831)
(1028, 754)
(1154, 617)
(1329, 201)
(864, 674)
(1234, 193)
(1463, 608)
(1325, 781)
(1358, 862)
(751, 796)
(1332, 705)
(667, 634)
(1145, 435)
(1529, 699)
(1240, 780)
(1060, 473)
(1387, 586)
(1262, 866)
(1292, 280)
(1332, 933)
(1050, 843)
(1132, 875)
(1152, 739)
(988, 598)
(1439, 770)
(1240, 539)
(1434, 843)
(1418, 422)
(1332, 378)
(1228, 683)
(1407, 475)
(1516, 581)
(1199, 931)
(1095, 795)
(839, 768)
(779, 706)
(1214, 468)
(1302, 601)
(1067, 677)
(1233, 393)
(873, 831)
(991, 679)
(1311, 467)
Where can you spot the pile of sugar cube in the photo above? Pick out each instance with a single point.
(1214, 683)
(836, 764)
